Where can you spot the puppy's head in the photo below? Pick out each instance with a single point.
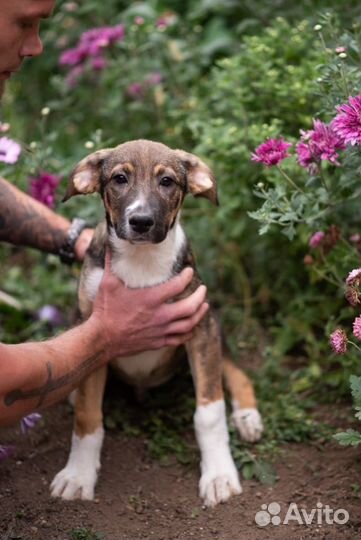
(143, 185)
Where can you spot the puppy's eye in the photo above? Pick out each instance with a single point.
(120, 178)
(166, 181)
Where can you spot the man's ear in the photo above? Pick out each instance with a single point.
(85, 178)
(201, 180)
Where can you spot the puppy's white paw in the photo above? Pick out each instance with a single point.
(219, 483)
(219, 479)
(78, 478)
(73, 483)
(248, 423)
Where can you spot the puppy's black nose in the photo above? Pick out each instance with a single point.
(141, 223)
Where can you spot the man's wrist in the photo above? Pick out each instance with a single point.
(98, 336)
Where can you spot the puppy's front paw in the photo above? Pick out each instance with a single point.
(74, 483)
(78, 478)
(218, 484)
(248, 423)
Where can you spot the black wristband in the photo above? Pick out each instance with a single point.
(66, 251)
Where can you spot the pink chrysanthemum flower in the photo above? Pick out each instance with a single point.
(357, 328)
(165, 20)
(91, 44)
(355, 238)
(338, 341)
(9, 150)
(352, 296)
(43, 188)
(347, 122)
(153, 78)
(98, 63)
(354, 277)
(135, 90)
(271, 152)
(318, 144)
(73, 76)
(316, 239)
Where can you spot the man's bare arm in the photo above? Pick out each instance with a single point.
(34, 375)
(26, 222)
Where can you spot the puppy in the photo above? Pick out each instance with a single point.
(143, 185)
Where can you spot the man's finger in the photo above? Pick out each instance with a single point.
(107, 262)
(185, 307)
(184, 326)
(176, 285)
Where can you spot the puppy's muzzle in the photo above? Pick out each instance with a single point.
(141, 223)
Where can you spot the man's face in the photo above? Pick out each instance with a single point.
(19, 33)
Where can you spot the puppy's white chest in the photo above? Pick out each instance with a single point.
(140, 266)
(145, 265)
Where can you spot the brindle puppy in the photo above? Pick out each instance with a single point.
(143, 185)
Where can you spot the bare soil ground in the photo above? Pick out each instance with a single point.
(137, 498)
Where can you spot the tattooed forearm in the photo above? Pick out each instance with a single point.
(24, 221)
(51, 384)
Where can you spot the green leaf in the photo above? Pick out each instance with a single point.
(350, 437)
(355, 383)
(248, 471)
(265, 473)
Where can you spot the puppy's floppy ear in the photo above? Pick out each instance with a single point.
(201, 180)
(85, 178)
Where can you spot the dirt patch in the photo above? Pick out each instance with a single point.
(137, 498)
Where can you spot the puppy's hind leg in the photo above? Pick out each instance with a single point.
(245, 414)
(78, 478)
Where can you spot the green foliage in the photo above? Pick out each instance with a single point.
(351, 437)
(232, 75)
(83, 533)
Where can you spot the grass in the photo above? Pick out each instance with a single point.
(83, 533)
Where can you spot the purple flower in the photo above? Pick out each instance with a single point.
(72, 78)
(271, 152)
(338, 341)
(91, 44)
(50, 314)
(72, 57)
(305, 157)
(4, 127)
(357, 327)
(347, 123)
(5, 452)
(165, 20)
(135, 90)
(355, 238)
(316, 239)
(9, 150)
(354, 277)
(43, 188)
(28, 422)
(99, 63)
(318, 144)
(352, 296)
(154, 78)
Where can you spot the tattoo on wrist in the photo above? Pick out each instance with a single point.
(52, 384)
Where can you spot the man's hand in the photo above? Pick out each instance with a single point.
(82, 243)
(136, 320)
